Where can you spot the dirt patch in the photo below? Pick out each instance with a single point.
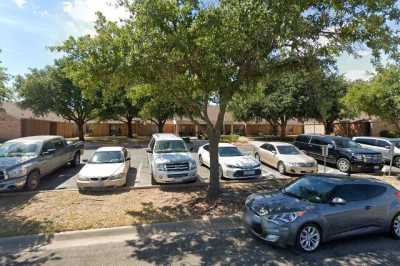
(68, 210)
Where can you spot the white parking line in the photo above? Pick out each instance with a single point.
(139, 169)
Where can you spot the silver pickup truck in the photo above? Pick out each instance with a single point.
(24, 161)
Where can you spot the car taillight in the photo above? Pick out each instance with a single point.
(398, 195)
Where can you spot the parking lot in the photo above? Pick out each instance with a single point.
(139, 174)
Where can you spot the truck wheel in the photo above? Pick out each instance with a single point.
(343, 164)
(32, 181)
(201, 161)
(396, 161)
(77, 160)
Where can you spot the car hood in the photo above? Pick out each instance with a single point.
(239, 161)
(360, 150)
(274, 203)
(172, 157)
(299, 158)
(101, 170)
(10, 162)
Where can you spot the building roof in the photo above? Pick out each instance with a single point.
(12, 109)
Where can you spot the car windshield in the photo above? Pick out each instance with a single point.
(346, 143)
(168, 146)
(288, 150)
(229, 151)
(19, 149)
(107, 157)
(312, 189)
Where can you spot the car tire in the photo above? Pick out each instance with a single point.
(77, 160)
(257, 157)
(281, 168)
(308, 238)
(396, 161)
(343, 165)
(33, 180)
(153, 180)
(395, 227)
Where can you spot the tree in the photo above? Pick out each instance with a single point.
(327, 106)
(156, 106)
(378, 97)
(209, 52)
(117, 105)
(48, 90)
(281, 98)
(4, 91)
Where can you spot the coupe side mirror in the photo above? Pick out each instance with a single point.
(85, 160)
(338, 201)
(128, 159)
(149, 151)
(273, 152)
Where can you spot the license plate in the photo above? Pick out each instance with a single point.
(249, 172)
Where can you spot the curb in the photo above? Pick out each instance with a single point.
(120, 234)
(127, 189)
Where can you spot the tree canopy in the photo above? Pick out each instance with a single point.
(4, 91)
(48, 90)
(209, 52)
(378, 97)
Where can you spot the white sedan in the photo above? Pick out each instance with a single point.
(108, 167)
(233, 164)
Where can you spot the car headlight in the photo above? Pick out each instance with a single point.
(286, 217)
(83, 178)
(161, 167)
(192, 165)
(117, 176)
(231, 166)
(18, 172)
(358, 157)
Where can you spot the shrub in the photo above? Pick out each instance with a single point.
(229, 138)
(390, 133)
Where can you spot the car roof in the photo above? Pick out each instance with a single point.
(277, 143)
(224, 144)
(116, 148)
(377, 138)
(35, 138)
(341, 179)
(166, 136)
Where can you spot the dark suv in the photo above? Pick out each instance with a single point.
(346, 154)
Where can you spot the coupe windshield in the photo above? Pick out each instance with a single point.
(107, 157)
(346, 143)
(311, 189)
(19, 149)
(288, 150)
(168, 146)
(229, 151)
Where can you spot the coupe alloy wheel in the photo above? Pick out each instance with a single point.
(309, 238)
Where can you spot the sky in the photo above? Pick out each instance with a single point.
(29, 27)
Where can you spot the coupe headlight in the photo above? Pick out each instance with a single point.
(286, 217)
(231, 166)
(18, 172)
(161, 167)
(83, 178)
(192, 165)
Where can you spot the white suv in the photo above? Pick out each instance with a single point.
(382, 145)
(170, 160)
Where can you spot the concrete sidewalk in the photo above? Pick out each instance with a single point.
(18, 244)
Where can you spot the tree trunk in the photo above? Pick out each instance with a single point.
(213, 137)
(160, 126)
(129, 125)
(283, 129)
(81, 133)
(329, 127)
